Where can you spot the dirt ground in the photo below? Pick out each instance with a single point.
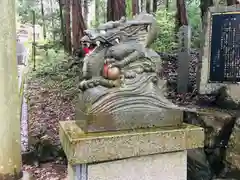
(47, 106)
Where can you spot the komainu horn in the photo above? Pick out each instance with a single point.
(121, 89)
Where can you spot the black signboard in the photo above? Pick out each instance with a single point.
(225, 48)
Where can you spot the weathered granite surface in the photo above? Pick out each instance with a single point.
(218, 158)
(233, 150)
(81, 148)
(169, 166)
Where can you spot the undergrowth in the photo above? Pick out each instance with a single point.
(167, 40)
(53, 73)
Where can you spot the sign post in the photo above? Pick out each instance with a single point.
(220, 62)
(183, 59)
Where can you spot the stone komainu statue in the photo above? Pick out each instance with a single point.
(120, 88)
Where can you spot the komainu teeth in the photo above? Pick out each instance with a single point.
(117, 40)
(98, 43)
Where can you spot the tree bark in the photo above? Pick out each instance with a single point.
(67, 18)
(43, 21)
(78, 25)
(10, 150)
(115, 9)
(85, 7)
(181, 16)
(154, 6)
(167, 4)
(204, 7)
(141, 8)
(103, 10)
(135, 7)
(62, 22)
(232, 2)
(52, 20)
(148, 6)
(109, 10)
(97, 13)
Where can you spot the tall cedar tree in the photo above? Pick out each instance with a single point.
(135, 7)
(115, 9)
(78, 25)
(68, 46)
(205, 4)
(232, 2)
(181, 16)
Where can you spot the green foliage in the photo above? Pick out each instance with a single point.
(51, 15)
(53, 70)
(166, 36)
(129, 8)
(195, 22)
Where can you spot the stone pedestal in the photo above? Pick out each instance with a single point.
(146, 154)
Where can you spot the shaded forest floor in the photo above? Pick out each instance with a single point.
(51, 95)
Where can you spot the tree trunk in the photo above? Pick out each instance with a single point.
(143, 5)
(52, 20)
(85, 7)
(97, 13)
(204, 7)
(10, 150)
(232, 2)
(78, 25)
(67, 18)
(181, 16)
(115, 9)
(75, 25)
(167, 4)
(135, 7)
(62, 22)
(43, 21)
(155, 5)
(103, 11)
(148, 6)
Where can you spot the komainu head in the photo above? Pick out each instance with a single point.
(120, 87)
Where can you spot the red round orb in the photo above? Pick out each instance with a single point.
(111, 73)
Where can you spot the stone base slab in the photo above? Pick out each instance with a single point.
(169, 166)
(129, 119)
(82, 148)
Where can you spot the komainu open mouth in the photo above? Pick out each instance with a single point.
(88, 48)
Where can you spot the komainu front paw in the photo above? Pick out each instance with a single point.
(86, 84)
